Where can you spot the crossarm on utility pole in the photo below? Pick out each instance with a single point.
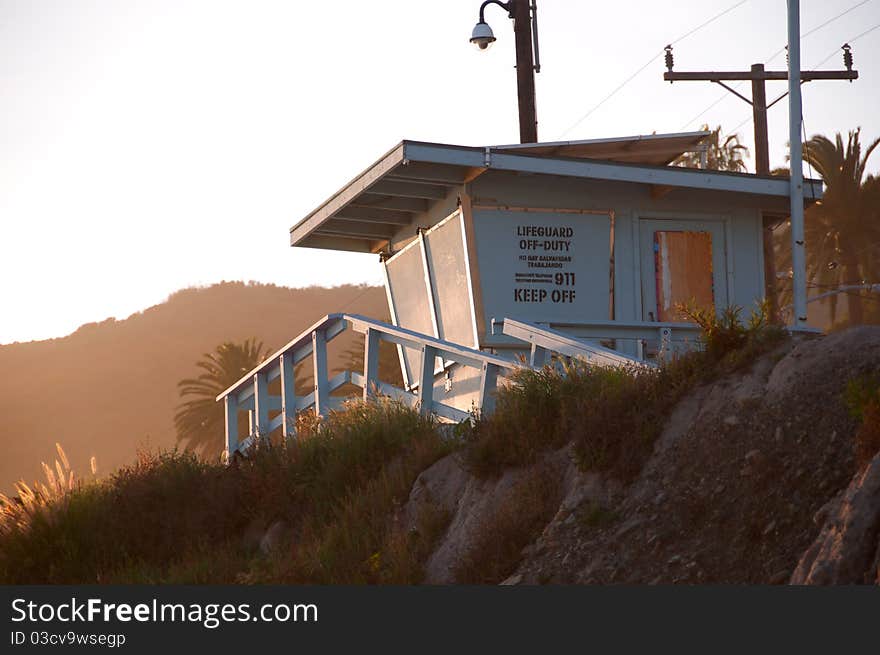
(758, 77)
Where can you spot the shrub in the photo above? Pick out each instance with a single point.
(725, 334)
(613, 415)
(863, 399)
(519, 519)
(171, 517)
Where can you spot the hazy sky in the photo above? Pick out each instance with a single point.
(147, 146)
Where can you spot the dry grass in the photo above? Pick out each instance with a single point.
(31, 501)
(863, 398)
(613, 415)
(171, 517)
(517, 522)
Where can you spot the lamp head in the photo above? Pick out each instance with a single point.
(482, 36)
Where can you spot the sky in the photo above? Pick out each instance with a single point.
(148, 146)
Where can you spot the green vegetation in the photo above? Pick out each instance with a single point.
(613, 415)
(863, 398)
(721, 155)
(334, 498)
(843, 229)
(172, 517)
(199, 420)
(727, 339)
(526, 509)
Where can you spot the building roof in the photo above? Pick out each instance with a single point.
(369, 210)
(654, 149)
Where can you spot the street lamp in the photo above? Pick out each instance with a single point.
(482, 35)
(525, 30)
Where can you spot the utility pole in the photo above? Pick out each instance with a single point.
(758, 77)
(796, 180)
(525, 32)
(525, 70)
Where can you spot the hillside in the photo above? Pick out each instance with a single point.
(744, 484)
(755, 464)
(112, 386)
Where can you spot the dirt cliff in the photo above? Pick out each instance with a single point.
(753, 480)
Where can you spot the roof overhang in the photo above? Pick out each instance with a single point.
(365, 214)
(651, 149)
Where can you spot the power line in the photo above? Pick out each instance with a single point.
(648, 63)
(852, 40)
(779, 52)
(830, 55)
(817, 28)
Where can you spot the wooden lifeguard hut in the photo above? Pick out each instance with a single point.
(488, 253)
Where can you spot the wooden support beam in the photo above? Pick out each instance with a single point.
(319, 369)
(665, 344)
(488, 387)
(371, 362)
(373, 215)
(357, 229)
(261, 403)
(731, 76)
(230, 410)
(426, 380)
(538, 356)
(394, 203)
(406, 189)
(430, 173)
(288, 397)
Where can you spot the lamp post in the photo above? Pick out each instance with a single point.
(524, 14)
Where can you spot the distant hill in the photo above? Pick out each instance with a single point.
(111, 387)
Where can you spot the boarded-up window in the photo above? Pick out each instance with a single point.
(683, 269)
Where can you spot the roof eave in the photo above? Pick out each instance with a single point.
(454, 165)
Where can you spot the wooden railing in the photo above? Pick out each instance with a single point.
(578, 339)
(545, 341)
(251, 392)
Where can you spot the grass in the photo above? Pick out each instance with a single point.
(863, 399)
(517, 522)
(612, 415)
(172, 517)
(595, 515)
(339, 489)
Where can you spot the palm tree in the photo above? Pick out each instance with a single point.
(843, 229)
(200, 420)
(720, 156)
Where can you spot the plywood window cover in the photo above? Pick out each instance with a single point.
(683, 271)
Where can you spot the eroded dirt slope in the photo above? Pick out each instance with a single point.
(732, 494)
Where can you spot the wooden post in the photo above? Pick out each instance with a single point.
(371, 361)
(488, 384)
(665, 343)
(230, 409)
(525, 70)
(426, 380)
(762, 167)
(758, 76)
(288, 397)
(538, 356)
(319, 369)
(261, 405)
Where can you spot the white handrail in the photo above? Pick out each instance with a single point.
(250, 393)
(544, 340)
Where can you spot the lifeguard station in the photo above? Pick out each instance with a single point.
(581, 248)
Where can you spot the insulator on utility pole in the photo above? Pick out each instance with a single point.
(669, 59)
(847, 57)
